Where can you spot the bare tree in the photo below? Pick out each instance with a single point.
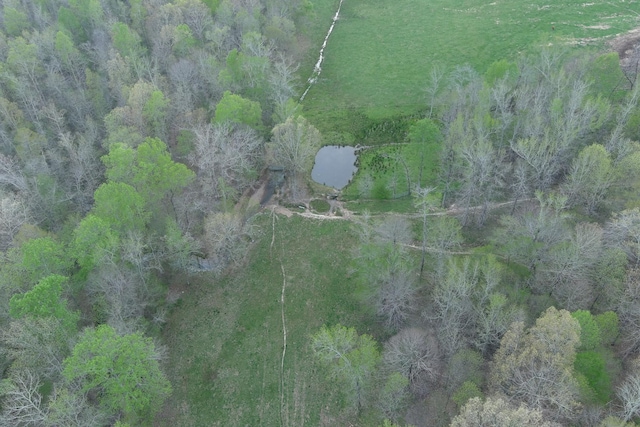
(226, 238)
(22, 401)
(413, 353)
(395, 230)
(568, 268)
(293, 146)
(496, 412)
(434, 86)
(629, 311)
(623, 231)
(395, 297)
(70, 407)
(629, 393)
(36, 345)
(13, 215)
(227, 158)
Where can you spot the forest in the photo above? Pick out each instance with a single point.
(481, 268)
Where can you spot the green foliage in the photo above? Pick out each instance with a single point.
(465, 366)
(536, 366)
(468, 390)
(590, 177)
(126, 41)
(320, 205)
(609, 275)
(424, 131)
(212, 4)
(499, 70)
(380, 191)
(71, 22)
(88, 11)
(45, 300)
(394, 395)
(155, 111)
(183, 40)
(632, 128)
(591, 364)
(65, 48)
(149, 169)
(349, 358)
(237, 109)
(42, 257)
(397, 169)
(91, 238)
(590, 336)
(15, 21)
(180, 246)
(226, 377)
(608, 324)
(606, 76)
(120, 206)
(123, 370)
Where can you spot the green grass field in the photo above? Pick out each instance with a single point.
(226, 337)
(380, 53)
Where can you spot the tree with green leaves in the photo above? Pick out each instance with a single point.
(45, 300)
(122, 370)
(121, 206)
(349, 358)
(42, 257)
(149, 168)
(394, 395)
(237, 109)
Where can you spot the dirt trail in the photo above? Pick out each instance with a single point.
(350, 216)
(318, 67)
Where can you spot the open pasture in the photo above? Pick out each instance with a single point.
(379, 56)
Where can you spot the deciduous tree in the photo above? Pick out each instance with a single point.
(124, 370)
(349, 358)
(535, 366)
(414, 354)
(495, 412)
(293, 145)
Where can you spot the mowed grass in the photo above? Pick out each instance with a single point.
(225, 338)
(380, 53)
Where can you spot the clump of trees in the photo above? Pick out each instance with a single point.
(538, 325)
(128, 133)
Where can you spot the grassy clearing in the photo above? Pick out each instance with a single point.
(225, 338)
(380, 53)
(389, 172)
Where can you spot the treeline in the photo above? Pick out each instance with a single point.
(522, 315)
(128, 132)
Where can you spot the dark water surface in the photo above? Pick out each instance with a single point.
(334, 166)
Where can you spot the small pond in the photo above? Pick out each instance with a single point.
(334, 166)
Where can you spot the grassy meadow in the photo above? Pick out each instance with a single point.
(226, 337)
(380, 53)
